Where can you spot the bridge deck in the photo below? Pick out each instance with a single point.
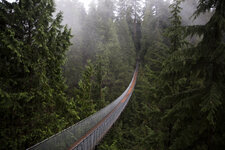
(87, 133)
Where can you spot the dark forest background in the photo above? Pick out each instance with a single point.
(57, 68)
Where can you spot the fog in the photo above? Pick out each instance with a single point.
(74, 12)
(71, 12)
(188, 8)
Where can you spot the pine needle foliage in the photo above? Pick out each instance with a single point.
(198, 102)
(32, 51)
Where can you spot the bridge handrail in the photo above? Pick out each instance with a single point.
(72, 136)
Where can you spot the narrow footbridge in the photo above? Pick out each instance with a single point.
(87, 133)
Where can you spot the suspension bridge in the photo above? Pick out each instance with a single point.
(87, 133)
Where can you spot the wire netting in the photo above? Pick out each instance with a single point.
(85, 134)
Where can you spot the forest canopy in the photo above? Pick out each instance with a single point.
(61, 61)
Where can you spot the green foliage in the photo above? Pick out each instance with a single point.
(179, 97)
(138, 126)
(76, 18)
(179, 93)
(83, 95)
(33, 45)
(175, 32)
(197, 100)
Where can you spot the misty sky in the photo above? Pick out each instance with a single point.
(85, 2)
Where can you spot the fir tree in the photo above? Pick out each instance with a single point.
(198, 106)
(75, 17)
(83, 93)
(33, 45)
(176, 35)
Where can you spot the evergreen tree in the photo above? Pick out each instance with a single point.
(108, 48)
(139, 122)
(99, 90)
(124, 34)
(83, 100)
(153, 28)
(176, 35)
(133, 17)
(198, 106)
(75, 16)
(32, 50)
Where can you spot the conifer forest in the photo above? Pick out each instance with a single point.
(62, 61)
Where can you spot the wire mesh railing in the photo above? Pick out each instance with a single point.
(87, 133)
